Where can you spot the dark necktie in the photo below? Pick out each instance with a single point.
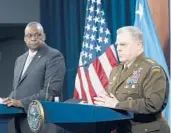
(123, 72)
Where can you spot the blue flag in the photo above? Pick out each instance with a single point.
(151, 42)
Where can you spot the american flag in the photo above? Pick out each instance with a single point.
(97, 57)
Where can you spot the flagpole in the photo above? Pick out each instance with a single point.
(170, 54)
(170, 28)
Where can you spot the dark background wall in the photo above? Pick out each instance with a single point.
(19, 11)
(11, 46)
(13, 18)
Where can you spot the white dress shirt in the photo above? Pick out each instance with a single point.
(28, 60)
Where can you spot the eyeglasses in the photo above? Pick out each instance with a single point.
(36, 35)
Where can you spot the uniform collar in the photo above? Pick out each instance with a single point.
(134, 61)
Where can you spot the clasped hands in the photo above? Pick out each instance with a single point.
(106, 100)
(12, 102)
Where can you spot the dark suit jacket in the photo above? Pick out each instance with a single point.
(48, 66)
(142, 89)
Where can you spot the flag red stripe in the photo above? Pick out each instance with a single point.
(76, 95)
(91, 89)
(111, 57)
(81, 85)
(100, 73)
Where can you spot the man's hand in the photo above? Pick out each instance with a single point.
(85, 103)
(106, 100)
(12, 102)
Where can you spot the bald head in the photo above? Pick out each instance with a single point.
(34, 36)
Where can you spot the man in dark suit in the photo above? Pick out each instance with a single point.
(37, 70)
(137, 84)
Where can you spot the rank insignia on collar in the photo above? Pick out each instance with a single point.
(150, 61)
(114, 77)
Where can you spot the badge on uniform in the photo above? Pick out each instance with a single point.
(131, 81)
(133, 86)
(126, 86)
(110, 83)
(114, 78)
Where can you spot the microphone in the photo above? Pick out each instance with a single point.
(44, 93)
(47, 90)
(84, 65)
(47, 96)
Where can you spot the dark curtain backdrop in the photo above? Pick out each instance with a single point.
(63, 22)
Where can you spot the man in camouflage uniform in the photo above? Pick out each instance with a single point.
(137, 84)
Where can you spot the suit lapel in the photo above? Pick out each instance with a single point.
(20, 67)
(35, 60)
